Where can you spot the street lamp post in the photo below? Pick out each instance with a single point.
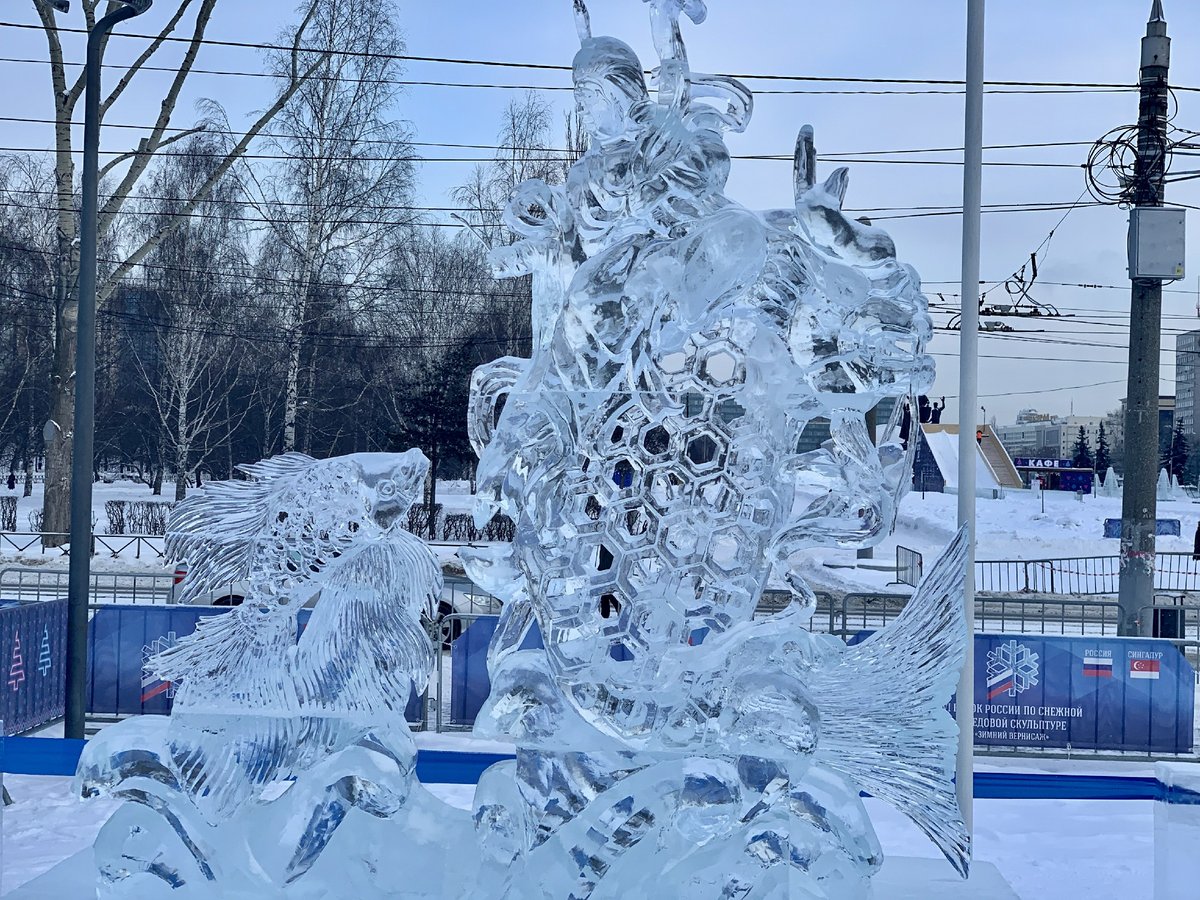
(968, 393)
(82, 453)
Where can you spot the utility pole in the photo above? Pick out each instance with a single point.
(1139, 505)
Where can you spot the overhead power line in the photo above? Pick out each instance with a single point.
(414, 158)
(408, 82)
(563, 150)
(558, 67)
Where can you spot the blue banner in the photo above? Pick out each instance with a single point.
(1162, 528)
(33, 652)
(1120, 694)
(470, 683)
(122, 638)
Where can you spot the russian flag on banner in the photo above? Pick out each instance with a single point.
(1097, 666)
(1144, 668)
(1000, 684)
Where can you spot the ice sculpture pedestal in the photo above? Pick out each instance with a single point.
(902, 878)
(908, 878)
(1177, 831)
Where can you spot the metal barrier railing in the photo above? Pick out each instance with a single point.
(32, 584)
(1083, 575)
(24, 541)
(1177, 620)
(437, 699)
(910, 566)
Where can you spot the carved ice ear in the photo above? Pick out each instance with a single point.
(804, 170)
(836, 185)
(583, 21)
(213, 529)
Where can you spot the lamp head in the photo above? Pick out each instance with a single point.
(138, 6)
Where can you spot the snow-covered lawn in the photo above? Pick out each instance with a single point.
(1012, 528)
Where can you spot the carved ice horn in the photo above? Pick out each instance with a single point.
(583, 21)
(805, 166)
(836, 185)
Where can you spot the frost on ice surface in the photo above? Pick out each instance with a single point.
(671, 744)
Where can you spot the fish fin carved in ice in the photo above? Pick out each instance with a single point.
(883, 723)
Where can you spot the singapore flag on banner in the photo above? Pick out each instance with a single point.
(1143, 668)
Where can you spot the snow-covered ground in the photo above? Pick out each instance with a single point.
(1098, 849)
(1011, 528)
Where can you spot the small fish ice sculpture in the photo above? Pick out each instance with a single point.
(287, 766)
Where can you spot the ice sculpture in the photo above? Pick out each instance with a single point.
(669, 743)
(287, 766)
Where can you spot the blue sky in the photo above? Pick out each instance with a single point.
(1069, 40)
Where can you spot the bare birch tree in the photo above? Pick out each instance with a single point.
(26, 319)
(524, 152)
(126, 171)
(436, 311)
(338, 201)
(189, 356)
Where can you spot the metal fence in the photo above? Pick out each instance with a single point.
(31, 584)
(1081, 576)
(1175, 618)
(148, 545)
(910, 566)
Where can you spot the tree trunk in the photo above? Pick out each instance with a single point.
(182, 449)
(228, 443)
(433, 468)
(156, 482)
(28, 475)
(291, 396)
(56, 507)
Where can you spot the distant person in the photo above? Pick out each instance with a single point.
(924, 413)
(979, 436)
(12, 481)
(905, 425)
(1196, 543)
(935, 412)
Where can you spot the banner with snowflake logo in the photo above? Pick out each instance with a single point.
(1115, 694)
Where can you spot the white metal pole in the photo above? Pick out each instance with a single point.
(968, 389)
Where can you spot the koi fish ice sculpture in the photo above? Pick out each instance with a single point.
(670, 743)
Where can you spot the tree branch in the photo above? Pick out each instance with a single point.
(154, 139)
(167, 31)
(116, 161)
(159, 236)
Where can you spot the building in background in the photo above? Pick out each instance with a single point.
(1187, 355)
(1044, 436)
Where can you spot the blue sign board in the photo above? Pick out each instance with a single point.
(470, 683)
(1162, 528)
(1025, 462)
(1126, 694)
(33, 651)
(122, 638)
